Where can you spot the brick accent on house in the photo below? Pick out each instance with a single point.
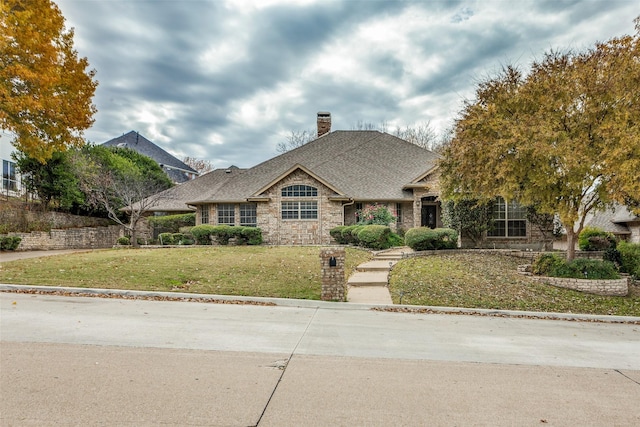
(73, 238)
(334, 287)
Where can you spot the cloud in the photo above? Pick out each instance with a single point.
(227, 80)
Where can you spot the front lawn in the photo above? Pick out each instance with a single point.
(492, 282)
(264, 271)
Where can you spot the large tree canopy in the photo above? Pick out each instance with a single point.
(565, 137)
(45, 90)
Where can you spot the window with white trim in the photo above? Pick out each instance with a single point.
(226, 214)
(299, 209)
(9, 181)
(508, 219)
(248, 215)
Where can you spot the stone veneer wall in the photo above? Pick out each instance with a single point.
(73, 238)
(616, 287)
(277, 231)
(334, 286)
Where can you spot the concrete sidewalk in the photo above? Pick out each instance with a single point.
(101, 361)
(7, 256)
(370, 283)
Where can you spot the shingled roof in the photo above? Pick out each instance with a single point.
(174, 199)
(174, 167)
(360, 165)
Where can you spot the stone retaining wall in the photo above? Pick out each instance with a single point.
(524, 254)
(616, 287)
(73, 238)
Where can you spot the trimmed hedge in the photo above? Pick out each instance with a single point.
(579, 268)
(630, 258)
(172, 223)
(368, 236)
(427, 239)
(375, 236)
(595, 239)
(223, 233)
(9, 243)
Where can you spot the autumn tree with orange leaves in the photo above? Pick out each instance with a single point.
(45, 88)
(564, 138)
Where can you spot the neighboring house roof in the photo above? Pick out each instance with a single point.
(174, 199)
(175, 168)
(360, 165)
(613, 220)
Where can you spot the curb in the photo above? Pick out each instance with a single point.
(327, 305)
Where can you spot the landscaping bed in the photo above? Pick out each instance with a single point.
(493, 282)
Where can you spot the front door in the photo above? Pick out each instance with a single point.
(428, 216)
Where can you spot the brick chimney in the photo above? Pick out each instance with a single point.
(324, 123)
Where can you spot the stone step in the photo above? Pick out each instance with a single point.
(369, 295)
(369, 278)
(376, 265)
(388, 257)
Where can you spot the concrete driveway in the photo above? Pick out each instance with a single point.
(104, 361)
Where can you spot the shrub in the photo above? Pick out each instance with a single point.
(375, 214)
(222, 233)
(202, 233)
(251, 235)
(172, 223)
(182, 239)
(336, 233)
(374, 236)
(580, 268)
(124, 241)
(630, 258)
(546, 264)
(166, 238)
(10, 243)
(595, 239)
(425, 238)
(396, 240)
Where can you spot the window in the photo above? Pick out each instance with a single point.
(248, 215)
(398, 212)
(509, 219)
(204, 214)
(9, 181)
(299, 191)
(226, 214)
(299, 209)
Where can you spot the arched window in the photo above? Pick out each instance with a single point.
(299, 191)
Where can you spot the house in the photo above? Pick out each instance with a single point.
(11, 184)
(299, 196)
(177, 170)
(617, 220)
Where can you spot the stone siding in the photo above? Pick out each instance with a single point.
(73, 238)
(277, 231)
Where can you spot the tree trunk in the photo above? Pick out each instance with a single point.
(571, 243)
(134, 239)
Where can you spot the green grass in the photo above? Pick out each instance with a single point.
(265, 271)
(491, 282)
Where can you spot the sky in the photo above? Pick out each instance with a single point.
(227, 80)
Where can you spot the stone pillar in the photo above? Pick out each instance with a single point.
(333, 282)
